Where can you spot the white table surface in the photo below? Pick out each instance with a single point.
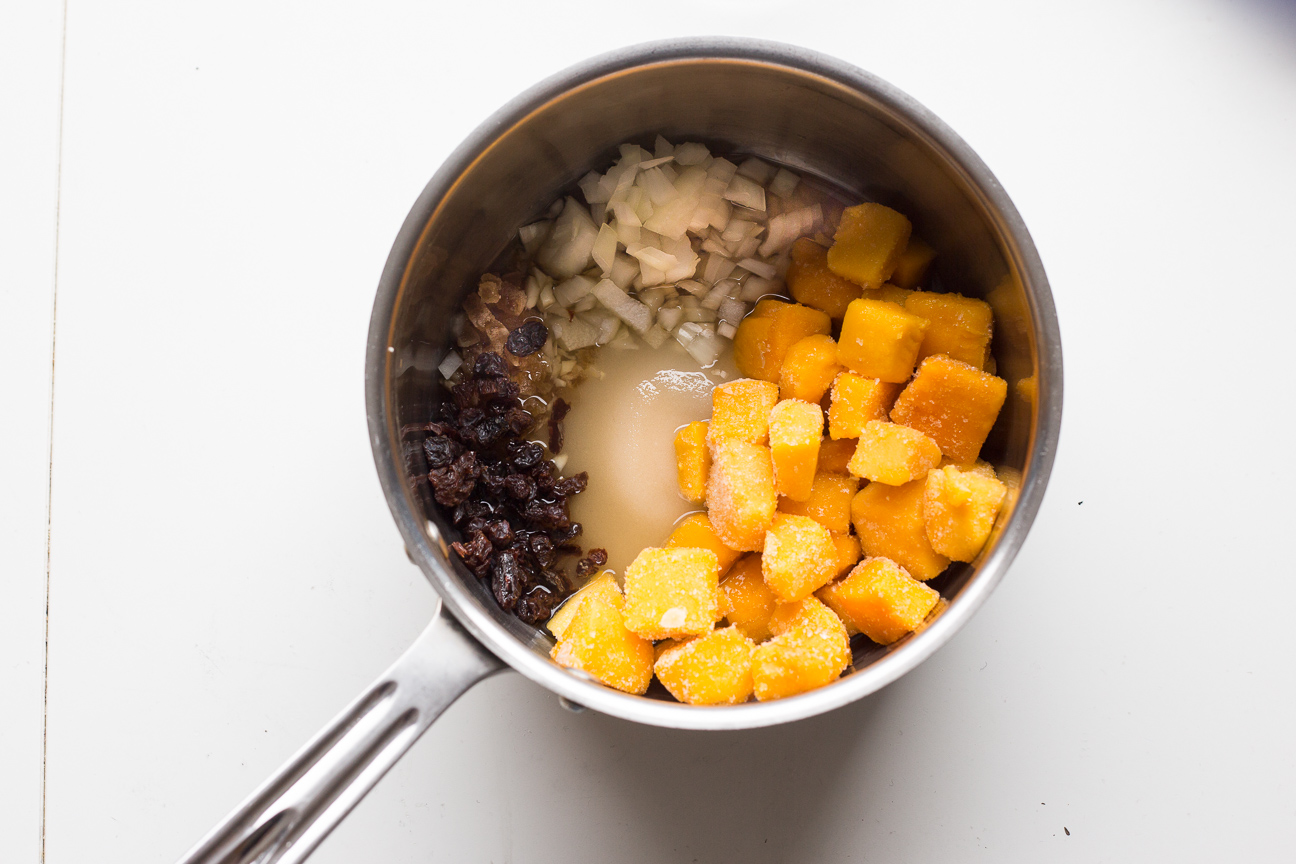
(210, 191)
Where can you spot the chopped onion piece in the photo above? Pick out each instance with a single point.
(784, 183)
(715, 247)
(651, 256)
(567, 250)
(662, 147)
(659, 189)
(670, 316)
(605, 248)
(757, 287)
(705, 349)
(450, 365)
(691, 153)
(533, 235)
(584, 304)
(670, 173)
(688, 301)
(717, 267)
(624, 340)
(720, 292)
(672, 218)
(631, 311)
(756, 169)
(653, 298)
(656, 336)
(547, 298)
(694, 287)
(739, 230)
(624, 271)
(649, 276)
(532, 292)
(787, 227)
(732, 310)
(653, 163)
(690, 181)
(626, 233)
(722, 169)
(574, 334)
(726, 330)
(747, 248)
(696, 315)
(591, 184)
(573, 289)
(632, 154)
(745, 193)
(760, 268)
(605, 323)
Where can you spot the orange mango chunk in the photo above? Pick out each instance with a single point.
(740, 494)
(740, 410)
(892, 454)
(868, 244)
(773, 327)
(880, 340)
(959, 508)
(671, 592)
(952, 403)
(890, 294)
(695, 531)
(889, 522)
(959, 327)
(597, 641)
(829, 502)
(880, 600)
(692, 459)
(799, 557)
(603, 587)
(714, 669)
(848, 552)
(811, 649)
(795, 430)
(746, 601)
(835, 453)
(913, 263)
(809, 368)
(855, 401)
(810, 281)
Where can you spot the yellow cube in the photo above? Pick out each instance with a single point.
(959, 327)
(603, 586)
(746, 601)
(880, 340)
(890, 524)
(773, 327)
(913, 264)
(714, 669)
(868, 244)
(959, 508)
(835, 453)
(953, 403)
(809, 368)
(672, 592)
(740, 494)
(795, 430)
(695, 531)
(692, 459)
(890, 293)
(810, 651)
(810, 281)
(740, 411)
(880, 600)
(892, 454)
(848, 553)
(799, 557)
(829, 502)
(597, 642)
(855, 401)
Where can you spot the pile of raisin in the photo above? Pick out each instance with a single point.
(505, 498)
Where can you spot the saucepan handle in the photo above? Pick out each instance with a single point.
(283, 821)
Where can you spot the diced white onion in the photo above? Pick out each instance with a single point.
(757, 287)
(605, 248)
(584, 304)
(662, 147)
(760, 268)
(700, 315)
(656, 336)
(705, 349)
(722, 169)
(756, 169)
(732, 310)
(745, 192)
(627, 233)
(533, 235)
(784, 183)
(631, 311)
(747, 248)
(532, 286)
(739, 230)
(653, 298)
(624, 271)
(691, 153)
(592, 186)
(450, 365)
(694, 287)
(573, 289)
(560, 462)
(672, 218)
(604, 323)
(717, 267)
(651, 256)
(567, 250)
(722, 291)
(787, 227)
(659, 189)
(547, 298)
(669, 317)
(726, 330)
(573, 333)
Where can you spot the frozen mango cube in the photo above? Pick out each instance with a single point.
(958, 326)
(692, 459)
(603, 586)
(810, 281)
(795, 430)
(893, 454)
(714, 669)
(740, 494)
(695, 531)
(890, 294)
(848, 552)
(880, 600)
(672, 592)
(759, 348)
(746, 601)
(855, 401)
(740, 411)
(597, 642)
(809, 368)
(829, 502)
(835, 453)
(799, 557)
(912, 264)
(880, 340)
(952, 403)
(811, 649)
(959, 508)
(890, 524)
(867, 246)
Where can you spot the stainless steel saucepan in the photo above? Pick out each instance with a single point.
(813, 113)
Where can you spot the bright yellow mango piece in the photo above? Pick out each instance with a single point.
(799, 557)
(829, 502)
(868, 244)
(880, 340)
(848, 552)
(672, 592)
(952, 403)
(890, 293)
(959, 327)
(959, 508)
(811, 649)
(809, 368)
(912, 264)
(740, 494)
(855, 401)
(597, 642)
(714, 669)
(795, 430)
(810, 281)
(746, 601)
(695, 531)
(603, 586)
(740, 411)
(889, 522)
(773, 327)
(692, 459)
(893, 454)
(880, 600)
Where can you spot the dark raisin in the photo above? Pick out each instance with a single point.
(500, 533)
(590, 564)
(490, 365)
(455, 482)
(506, 580)
(572, 485)
(476, 553)
(527, 339)
(560, 409)
(518, 420)
(524, 455)
(441, 451)
(552, 516)
(519, 486)
(538, 605)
